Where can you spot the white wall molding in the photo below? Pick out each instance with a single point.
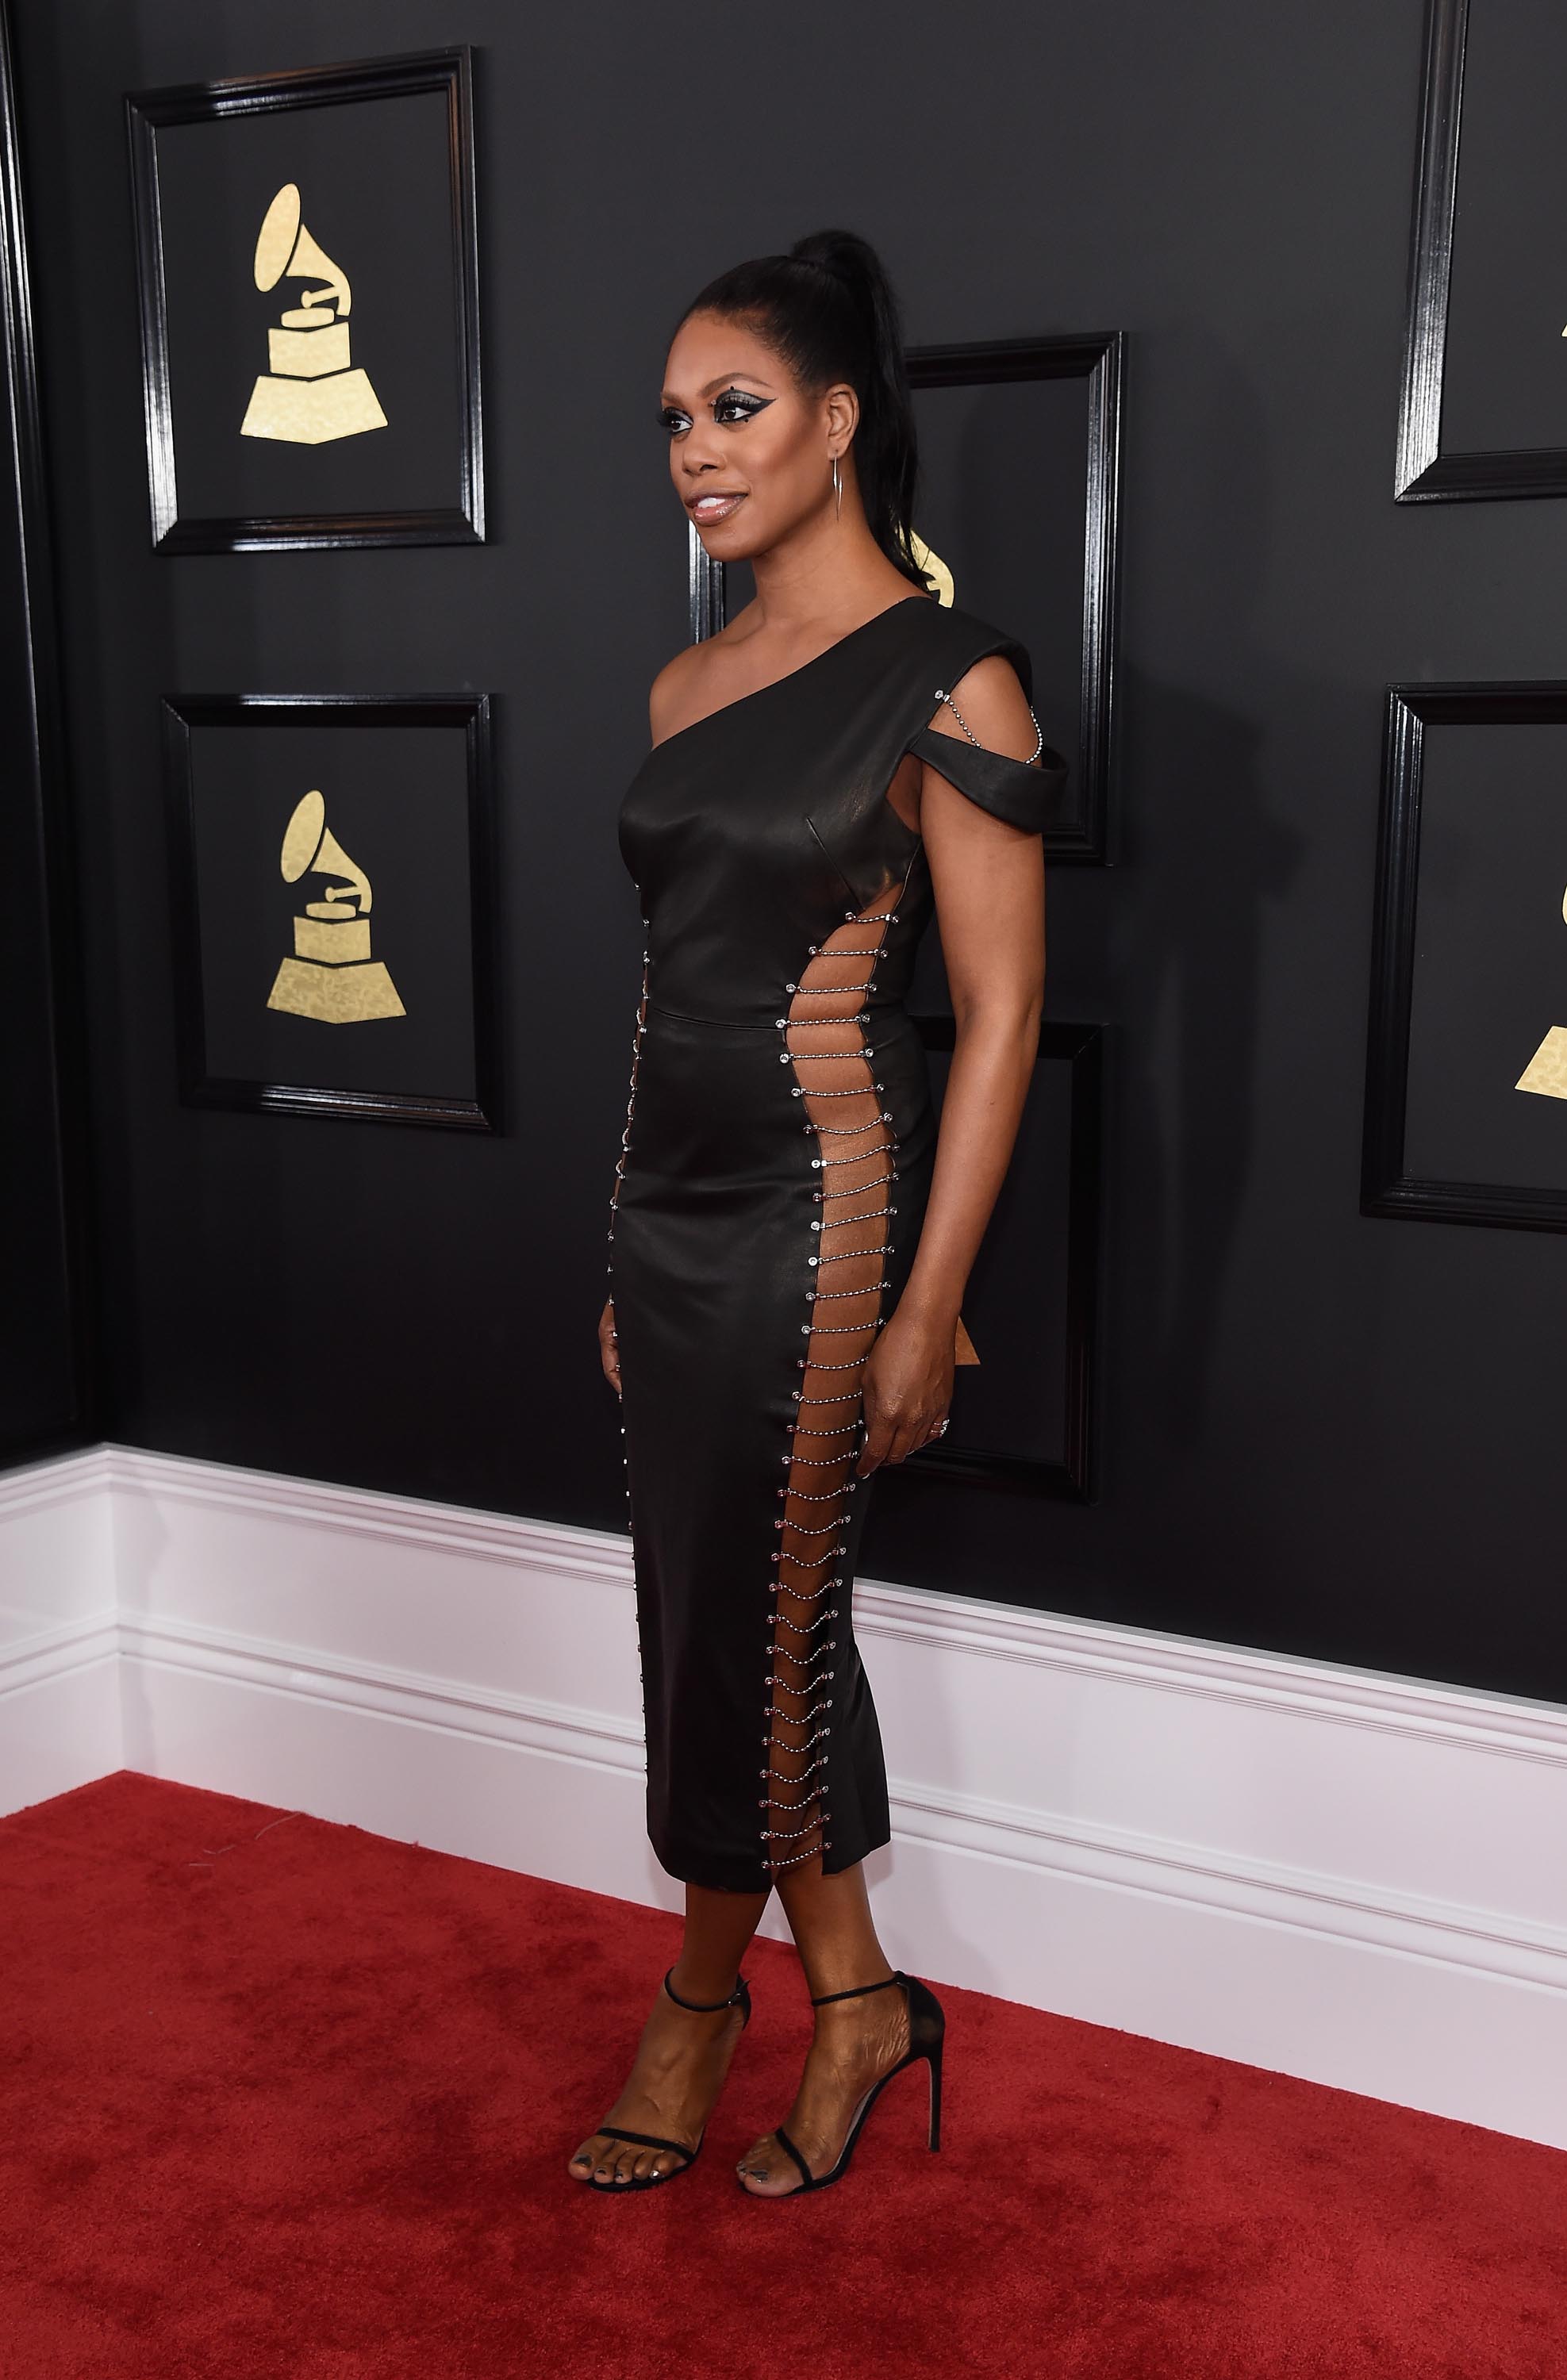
(1334, 1873)
(1511, 1725)
(59, 1629)
(56, 1653)
(953, 1819)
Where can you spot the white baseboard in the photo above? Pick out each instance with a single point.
(1325, 1871)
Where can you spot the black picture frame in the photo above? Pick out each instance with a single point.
(1424, 474)
(1388, 1188)
(446, 72)
(1081, 1046)
(1098, 358)
(49, 1370)
(469, 714)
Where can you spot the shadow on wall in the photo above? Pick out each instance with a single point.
(1190, 1077)
(1183, 960)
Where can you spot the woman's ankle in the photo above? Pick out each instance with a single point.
(705, 1987)
(872, 1981)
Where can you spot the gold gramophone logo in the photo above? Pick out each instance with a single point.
(1547, 1070)
(331, 975)
(312, 393)
(933, 567)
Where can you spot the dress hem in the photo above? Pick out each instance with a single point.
(726, 1875)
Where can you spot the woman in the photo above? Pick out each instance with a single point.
(789, 1241)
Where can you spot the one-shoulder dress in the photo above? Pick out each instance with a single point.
(766, 1209)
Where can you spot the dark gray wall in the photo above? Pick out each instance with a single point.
(1323, 1433)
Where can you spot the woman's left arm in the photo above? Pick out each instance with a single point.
(988, 878)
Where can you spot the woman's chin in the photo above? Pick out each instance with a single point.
(725, 540)
(731, 536)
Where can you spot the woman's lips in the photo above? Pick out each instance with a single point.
(706, 510)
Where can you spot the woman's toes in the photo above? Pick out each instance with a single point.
(764, 2172)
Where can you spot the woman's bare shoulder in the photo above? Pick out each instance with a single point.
(989, 695)
(700, 678)
(674, 692)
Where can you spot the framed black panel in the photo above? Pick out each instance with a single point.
(333, 904)
(308, 261)
(1484, 403)
(1467, 1061)
(47, 1351)
(1019, 1422)
(1020, 447)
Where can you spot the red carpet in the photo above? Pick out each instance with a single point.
(284, 2101)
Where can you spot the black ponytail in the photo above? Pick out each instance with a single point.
(828, 310)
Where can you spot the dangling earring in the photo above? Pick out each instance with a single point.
(837, 489)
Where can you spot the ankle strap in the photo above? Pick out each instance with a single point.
(706, 2008)
(859, 1989)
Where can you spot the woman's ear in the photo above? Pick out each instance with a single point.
(843, 415)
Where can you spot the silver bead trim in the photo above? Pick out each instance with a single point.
(822, 1196)
(942, 696)
(840, 1222)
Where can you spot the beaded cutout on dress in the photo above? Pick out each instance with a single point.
(823, 1030)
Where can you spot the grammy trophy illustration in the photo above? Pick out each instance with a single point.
(331, 975)
(1547, 1070)
(934, 568)
(312, 392)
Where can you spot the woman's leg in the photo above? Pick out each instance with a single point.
(683, 2058)
(856, 2041)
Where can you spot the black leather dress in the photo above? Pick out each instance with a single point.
(767, 1206)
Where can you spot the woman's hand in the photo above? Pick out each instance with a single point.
(908, 1386)
(609, 1354)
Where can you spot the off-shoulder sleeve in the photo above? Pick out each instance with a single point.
(1025, 795)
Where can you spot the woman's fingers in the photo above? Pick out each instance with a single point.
(878, 1439)
(908, 1385)
(891, 1437)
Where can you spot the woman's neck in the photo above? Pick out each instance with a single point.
(830, 577)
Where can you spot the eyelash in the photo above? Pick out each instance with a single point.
(673, 419)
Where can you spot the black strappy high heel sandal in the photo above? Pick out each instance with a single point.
(926, 2035)
(739, 1998)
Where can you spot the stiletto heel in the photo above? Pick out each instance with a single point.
(927, 2039)
(739, 1998)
